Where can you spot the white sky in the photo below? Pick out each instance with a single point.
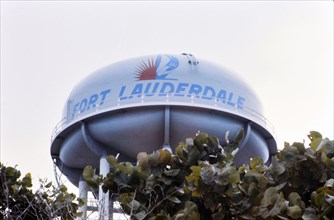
(283, 49)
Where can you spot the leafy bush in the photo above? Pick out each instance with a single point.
(201, 182)
(19, 202)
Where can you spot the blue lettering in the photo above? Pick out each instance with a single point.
(165, 86)
(83, 105)
(92, 101)
(222, 95)
(147, 88)
(155, 88)
(75, 109)
(181, 87)
(207, 90)
(162, 89)
(195, 89)
(240, 102)
(104, 94)
(229, 101)
(121, 93)
(138, 90)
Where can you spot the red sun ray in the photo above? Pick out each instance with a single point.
(146, 71)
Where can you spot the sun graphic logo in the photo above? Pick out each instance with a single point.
(157, 69)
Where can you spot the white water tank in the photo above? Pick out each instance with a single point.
(144, 103)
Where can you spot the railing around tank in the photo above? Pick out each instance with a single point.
(211, 104)
(58, 128)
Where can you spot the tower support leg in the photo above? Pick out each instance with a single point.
(83, 192)
(104, 213)
(166, 144)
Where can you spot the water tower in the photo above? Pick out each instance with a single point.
(149, 102)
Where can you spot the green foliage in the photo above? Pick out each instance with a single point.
(201, 181)
(18, 201)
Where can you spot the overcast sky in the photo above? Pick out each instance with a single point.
(283, 49)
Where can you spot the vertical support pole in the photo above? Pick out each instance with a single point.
(103, 197)
(83, 192)
(167, 129)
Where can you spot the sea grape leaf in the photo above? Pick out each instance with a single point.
(201, 139)
(195, 175)
(294, 199)
(294, 212)
(228, 175)
(193, 156)
(26, 181)
(329, 183)
(88, 173)
(276, 168)
(196, 170)
(310, 214)
(164, 157)
(111, 160)
(173, 172)
(329, 147)
(330, 199)
(207, 174)
(273, 203)
(189, 141)
(300, 147)
(125, 167)
(213, 144)
(257, 163)
(153, 159)
(12, 172)
(289, 155)
(315, 138)
(174, 199)
(179, 151)
(240, 135)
